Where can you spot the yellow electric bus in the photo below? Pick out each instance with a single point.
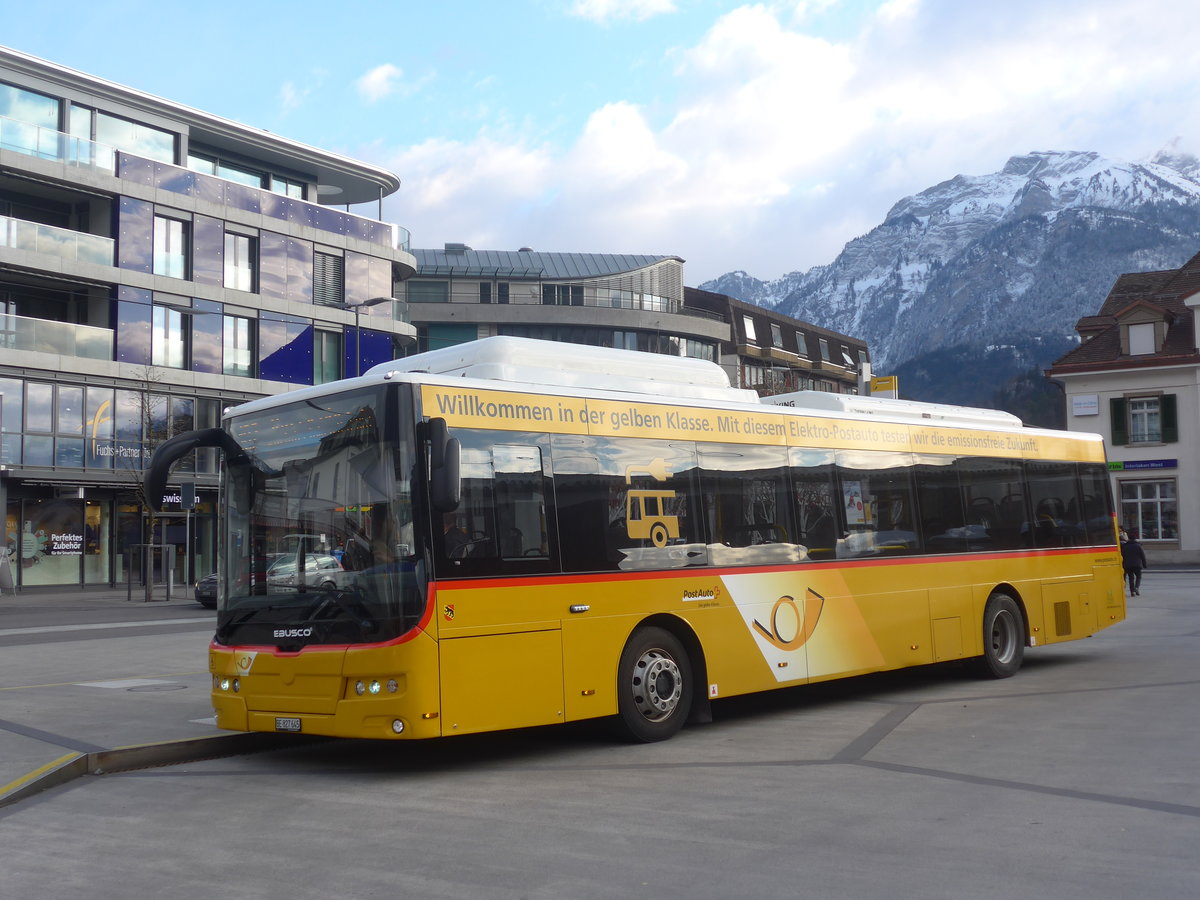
(528, 533)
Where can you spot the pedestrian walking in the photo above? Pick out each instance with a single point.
(1133, 559)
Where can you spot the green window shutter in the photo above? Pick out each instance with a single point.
(1120, 424)
(1170, 424)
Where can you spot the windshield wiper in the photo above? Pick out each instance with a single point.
(349, 603)
(227, 628)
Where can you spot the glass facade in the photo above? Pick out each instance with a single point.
(99, 435)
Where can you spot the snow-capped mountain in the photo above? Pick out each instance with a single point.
(990, 260)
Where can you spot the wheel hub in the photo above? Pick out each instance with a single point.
(657, 685)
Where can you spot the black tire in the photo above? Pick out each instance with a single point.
(1003, 637)
(654, 685)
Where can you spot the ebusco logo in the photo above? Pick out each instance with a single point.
(293, 632)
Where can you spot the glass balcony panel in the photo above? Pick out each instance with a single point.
(274, 205)
(62, 338)
(242, 197)
(175, 179)
(210, 188)
(53, 241)
(135, 169)
(46, 143)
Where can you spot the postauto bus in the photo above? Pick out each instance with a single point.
(532, 533)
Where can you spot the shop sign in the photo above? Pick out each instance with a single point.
(1133, 465)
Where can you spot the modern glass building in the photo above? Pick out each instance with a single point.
(158, 263)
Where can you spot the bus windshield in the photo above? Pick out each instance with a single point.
(319, 546)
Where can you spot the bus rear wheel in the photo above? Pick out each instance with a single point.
(1003, 637)
(654, 685)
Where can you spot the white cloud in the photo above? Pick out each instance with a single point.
(291, 97)
(784, 144)
(605, 11)
(380, 82)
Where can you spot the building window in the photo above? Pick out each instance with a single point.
(26, 106)
(776, 336)
(169, 338)
(170, 247)
(210, 165)
(562, 295)
(748, 328)
(801, 344)
(428, 291)
(1148, 508)
(238, 347)
(288, 187)
(824, 344)
(241, 262)
(502, 292)
(1141, 339)
(327, 356)
(329, 279)
(1144, 420)
(485, 292)
(136, 138)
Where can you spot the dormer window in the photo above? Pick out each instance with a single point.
(1141, 339)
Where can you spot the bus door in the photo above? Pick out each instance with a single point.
(499, 635)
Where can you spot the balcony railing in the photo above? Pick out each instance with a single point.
(62, 338)
(260, 201)
(64, 243)
(45, 143)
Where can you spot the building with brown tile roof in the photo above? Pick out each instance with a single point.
(1135, 379)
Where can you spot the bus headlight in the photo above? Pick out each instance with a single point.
(374, 687)
(359, 688)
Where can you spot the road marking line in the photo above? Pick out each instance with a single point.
(30, 776)
(122, 683)
(26, 687)
(98, 626)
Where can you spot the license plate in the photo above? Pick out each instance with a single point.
(287, 724)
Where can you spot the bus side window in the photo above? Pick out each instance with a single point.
(501, 525)
(820, 521)
(1054, 493)
(995, 498)
(877, 494)
(746, 507)
(944, 526)
(626, 503)
(1096, 503)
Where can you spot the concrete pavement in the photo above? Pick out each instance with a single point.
(91, 682)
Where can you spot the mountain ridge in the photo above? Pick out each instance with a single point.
(977, 260)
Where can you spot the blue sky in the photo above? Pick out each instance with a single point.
(755, 136)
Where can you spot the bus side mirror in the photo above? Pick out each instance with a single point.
(445, 487)
(155, 478)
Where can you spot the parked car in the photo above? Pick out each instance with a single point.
(320, 571)
(206, 591)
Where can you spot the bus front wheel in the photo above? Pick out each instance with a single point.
(1003, 637)
(654, 685)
